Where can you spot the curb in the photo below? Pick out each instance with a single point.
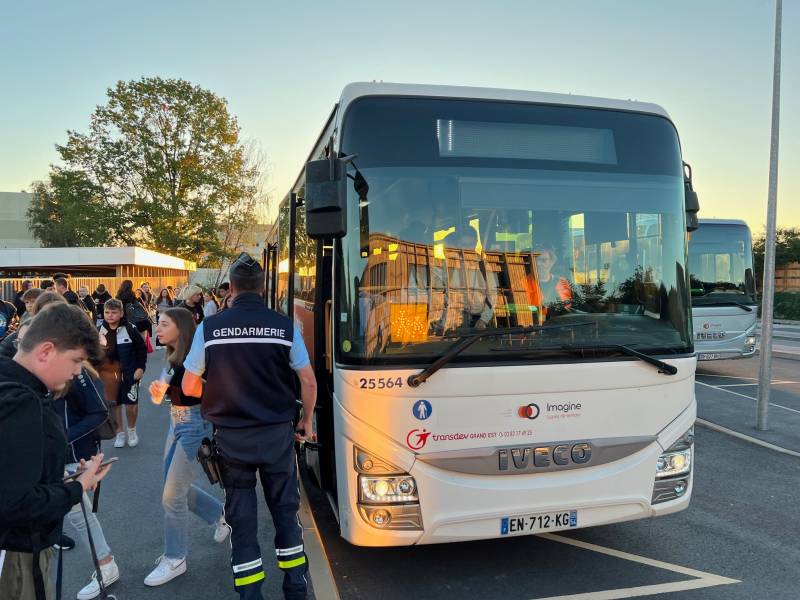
(782, 354)
(319, 567)
(746, 438)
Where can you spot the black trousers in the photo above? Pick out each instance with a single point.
(281, 492)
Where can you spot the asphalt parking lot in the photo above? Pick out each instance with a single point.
(727, 391)
(733, 542)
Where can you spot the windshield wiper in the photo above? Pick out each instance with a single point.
(665, 368)
(737, 304)
(465, 340)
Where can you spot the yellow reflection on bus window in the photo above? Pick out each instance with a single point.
(408, 322)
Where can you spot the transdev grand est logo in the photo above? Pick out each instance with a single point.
(417, 438)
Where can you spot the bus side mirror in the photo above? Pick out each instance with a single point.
(692, 207)
(691, 203)
(326, 198)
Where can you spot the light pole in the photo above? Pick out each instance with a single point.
(768, 287)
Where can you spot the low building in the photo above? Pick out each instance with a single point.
(90, 267)
(14, 229)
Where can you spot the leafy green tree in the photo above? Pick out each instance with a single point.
(787, 249)
(69, 210)
(166, 159)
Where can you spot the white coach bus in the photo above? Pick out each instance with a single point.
(492, 285)
(724, 307)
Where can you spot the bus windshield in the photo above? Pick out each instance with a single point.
(721, 264)
(467, 215)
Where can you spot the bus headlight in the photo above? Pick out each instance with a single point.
(677, 460)
(671, 464)
(750, 340)
(387, 490)
(387, 496)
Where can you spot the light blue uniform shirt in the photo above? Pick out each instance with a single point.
(196, 359)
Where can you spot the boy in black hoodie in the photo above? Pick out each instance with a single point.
(122, 369)
(33, 497)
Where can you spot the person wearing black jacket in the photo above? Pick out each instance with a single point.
(88, 302)
(33, 496)
(122, 369)
(19, 303)
(83, 410)
(62, 287)
(100, 295)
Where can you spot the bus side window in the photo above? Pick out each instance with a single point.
(305, 259)
(283, 259)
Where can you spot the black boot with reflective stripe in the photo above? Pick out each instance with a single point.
(294, 564)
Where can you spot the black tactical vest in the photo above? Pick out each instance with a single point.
(248, 378)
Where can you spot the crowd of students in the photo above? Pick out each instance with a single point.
(69, 362)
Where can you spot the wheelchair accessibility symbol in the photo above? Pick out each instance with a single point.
(422, 409)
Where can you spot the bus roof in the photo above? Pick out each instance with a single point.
(353, 91)
(723, 222)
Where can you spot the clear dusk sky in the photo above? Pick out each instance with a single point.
(281, 66)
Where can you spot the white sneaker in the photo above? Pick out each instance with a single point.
(166, 570)
(133, 439)
(110, 573)
(221, 530)
(119, 442)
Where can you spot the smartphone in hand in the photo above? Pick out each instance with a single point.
(79, 472)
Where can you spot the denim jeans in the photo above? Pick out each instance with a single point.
(187, 429)
(75, 518)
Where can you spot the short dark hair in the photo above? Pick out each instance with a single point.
(47, 284)
(66, 327)
(62, 282)
(61, 275)
(32, 294)
(248, 283)
(114, 304)
(46, 298)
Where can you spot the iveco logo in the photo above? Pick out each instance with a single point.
(543, 457)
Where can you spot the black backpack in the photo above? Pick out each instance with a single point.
(136, 313)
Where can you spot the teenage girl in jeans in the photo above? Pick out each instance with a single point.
(187, 429)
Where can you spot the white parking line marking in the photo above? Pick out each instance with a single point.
(727, 385)
(702, 579)
(725, 376)
(708, 375)
(721, 389)
(754, 383)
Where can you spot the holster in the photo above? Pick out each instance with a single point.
(208, 457)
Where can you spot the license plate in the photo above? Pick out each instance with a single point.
(709, 356)
(543, 522)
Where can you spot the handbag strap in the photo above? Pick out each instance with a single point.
(103, 595)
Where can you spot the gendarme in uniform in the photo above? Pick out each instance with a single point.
(248, 353)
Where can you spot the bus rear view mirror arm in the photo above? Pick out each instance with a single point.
(691, 203)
